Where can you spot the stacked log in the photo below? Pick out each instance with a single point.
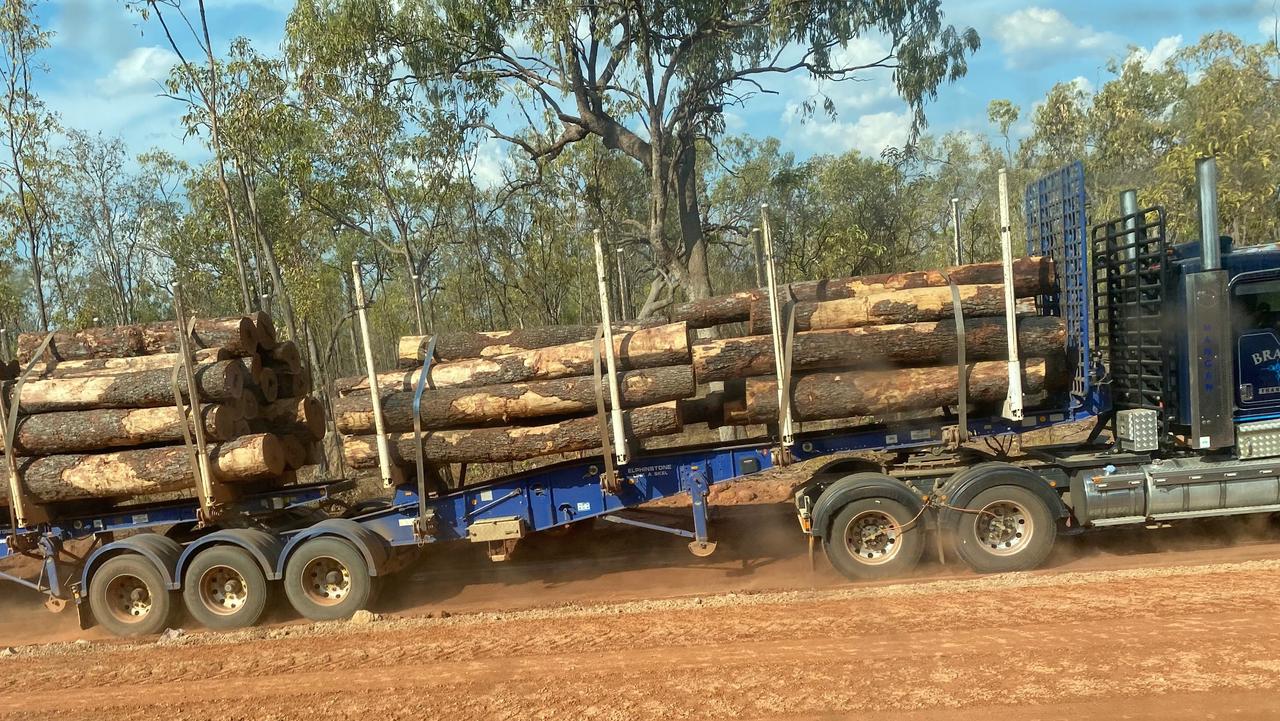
(98, 417)
(867, 346)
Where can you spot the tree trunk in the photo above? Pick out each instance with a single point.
(646, 348)
(491, 445)
(293, 385)
(263, 385)
(698, 279)
(116, 366)
(463, 345)
(221, 381)
(904, 344)
(454, 407)
(295, 450)
(144, 471)
(1031, 276)
(238, 334)
(95, 430)
(845, 394)
(264, 329)
(285, 356)
(108, 342)
(913, 305)
(291, 415)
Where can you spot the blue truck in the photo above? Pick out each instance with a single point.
(1173, 349)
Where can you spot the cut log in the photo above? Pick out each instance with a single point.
(291, 415)
(264, 329)
(708, 409)
(461, 345)
(1031, 276)
(237, 334)
(454, 407)
(827, 394)
(219, 381)
(249, 406)
(111, 342)
(900, 344)
(293, 385)
(285, 357)
(115, 366)
(487, 445)
(263, 385)
(662, 345)
(913, 305)
(94, 430)
(295, 450)
(144, 471)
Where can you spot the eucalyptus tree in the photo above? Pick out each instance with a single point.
(649, 79)
(28, 159)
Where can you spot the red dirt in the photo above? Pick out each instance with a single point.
(1171, 624)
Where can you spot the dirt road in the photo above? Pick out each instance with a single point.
(1113, 629)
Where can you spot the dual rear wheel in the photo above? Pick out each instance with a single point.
(1002, 529)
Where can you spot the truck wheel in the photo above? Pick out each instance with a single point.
(129, 597)
(327, 579)
(1005, 528)
(874, 538)
(225, 588)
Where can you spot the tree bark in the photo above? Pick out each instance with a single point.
(646, 348)
(293, 385)
(295, 449)
(238, 334)
(115, 366)
(144, 471)
(109, 342)
(221, 381)
(844, 394)
(264, 329)
(902, 344)
(491, 445)
(462, 345)
(95, 430)
(1031, 276)
(455, 407)
(913, 305)
(291, 415)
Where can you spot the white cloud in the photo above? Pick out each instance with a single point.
(1154, 59)
(140, 70)
(1035, 35)
(1083, 84)
(869, 134)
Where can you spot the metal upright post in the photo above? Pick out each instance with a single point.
(384, 453)
(204, 473)
(615, 416)
(955, 230)
(1013, 401)
(1129, 209)
(780, 364)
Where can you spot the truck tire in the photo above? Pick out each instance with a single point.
(225, 588)
(129, 597)
(327, 579)
(1005, 528)
(874, 538)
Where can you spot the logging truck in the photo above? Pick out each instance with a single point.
(1172, 350)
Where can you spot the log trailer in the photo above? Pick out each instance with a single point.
(1173, 348)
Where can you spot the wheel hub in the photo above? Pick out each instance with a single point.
(130, 601)
(326, 581)
(1004, 528)
(223, 590)
(872, 537)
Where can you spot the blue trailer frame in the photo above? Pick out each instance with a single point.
(572, 491)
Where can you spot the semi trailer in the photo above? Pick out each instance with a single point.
(1172, 350)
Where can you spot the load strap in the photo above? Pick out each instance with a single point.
(17, 491)
(609, 481)
(962, 386)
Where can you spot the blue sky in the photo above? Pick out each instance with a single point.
(105, 64)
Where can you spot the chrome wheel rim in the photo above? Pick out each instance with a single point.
(873, 537)
(128, 599)
(326, 581)
(1004, 528)
(223, 590)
